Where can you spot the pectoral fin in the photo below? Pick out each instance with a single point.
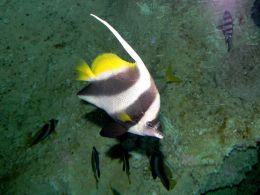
(113, 130)
(124, 117)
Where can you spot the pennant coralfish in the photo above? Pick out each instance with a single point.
(125, 90)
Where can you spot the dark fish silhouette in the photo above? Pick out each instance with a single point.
(95, 164)
(161, 170)
(44, 132)
(149, 146)
(126, 166)
(120, 153)
(227, 28)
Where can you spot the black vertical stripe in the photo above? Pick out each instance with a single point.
(113, 85)
(138, 108)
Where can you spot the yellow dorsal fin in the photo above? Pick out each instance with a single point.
(124, 117)
(109, 62)
(84, 71)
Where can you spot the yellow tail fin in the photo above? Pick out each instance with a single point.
(84, 71)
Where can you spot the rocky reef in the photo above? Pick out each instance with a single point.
(211, 120)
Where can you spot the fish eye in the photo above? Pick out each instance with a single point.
(149, 124)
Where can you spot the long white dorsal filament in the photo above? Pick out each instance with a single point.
(125, 45)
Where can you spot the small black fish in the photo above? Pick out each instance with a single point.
(95, 164)
(44, 132)
(126, 166)
(227, 28)
(161, 170)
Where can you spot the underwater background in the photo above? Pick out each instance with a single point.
(210, 112)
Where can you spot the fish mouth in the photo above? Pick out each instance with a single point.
(153, 133)
(158, 134)
(157, 130)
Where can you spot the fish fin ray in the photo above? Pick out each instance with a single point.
(122, 41)
(84, 71)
